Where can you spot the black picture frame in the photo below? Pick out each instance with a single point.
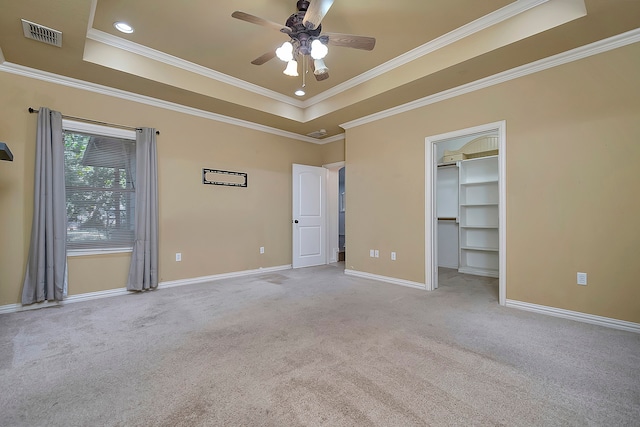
(206, 171)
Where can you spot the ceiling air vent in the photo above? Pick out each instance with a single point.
(41, 33)
(318, 134)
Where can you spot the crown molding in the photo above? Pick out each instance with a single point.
(92, 14)
(576, 54)
(601, 46)
(466, 30)
(330, 139)
(451, 37)
(20, 70)
(156, 55)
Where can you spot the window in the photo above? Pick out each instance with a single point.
(99, 168)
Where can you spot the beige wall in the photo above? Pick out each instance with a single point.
(217, 229)
(573, 156)
(572, 185)
(333, 152)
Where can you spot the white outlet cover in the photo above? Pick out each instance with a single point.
(372, 253)
(582, 279)
(377, 253)
(393, 256)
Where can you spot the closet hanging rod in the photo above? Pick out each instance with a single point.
(95, 122)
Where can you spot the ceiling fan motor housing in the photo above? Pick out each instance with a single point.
(301, 34)
(295, 23)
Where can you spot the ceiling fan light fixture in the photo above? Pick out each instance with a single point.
(300, 92)
(318, 49)
(285, 52)
(319, 67)
(292, 68)
(306, 40)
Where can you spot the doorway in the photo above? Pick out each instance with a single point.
(336, 212)
(476, 215)
(309, 215)
(342, 250)
(318, 214)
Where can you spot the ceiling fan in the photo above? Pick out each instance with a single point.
(306, 38)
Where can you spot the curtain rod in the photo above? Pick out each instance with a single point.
(95, 122)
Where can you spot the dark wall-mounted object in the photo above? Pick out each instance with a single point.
(5, 153)
(227, 178)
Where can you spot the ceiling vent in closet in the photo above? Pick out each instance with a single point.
(41, 33)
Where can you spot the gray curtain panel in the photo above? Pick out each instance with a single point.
(143, 273)
(46, 275)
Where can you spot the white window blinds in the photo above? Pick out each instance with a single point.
(100, 190)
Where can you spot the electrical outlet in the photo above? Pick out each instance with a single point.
(372, 253)
(261, 249)
(393, 256)
(178, 256)
(582, 279)
(377, 253)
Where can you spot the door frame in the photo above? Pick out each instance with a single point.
(333, 169)
(431, 220)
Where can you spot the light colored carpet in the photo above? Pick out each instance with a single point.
(313, 347)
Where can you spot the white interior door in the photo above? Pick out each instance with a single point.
(309, 216)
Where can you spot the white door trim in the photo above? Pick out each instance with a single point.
(431, 226)
(333, 170)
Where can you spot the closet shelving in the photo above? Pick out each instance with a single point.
(478, 216)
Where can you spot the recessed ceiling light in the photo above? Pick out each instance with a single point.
(123, 27)
(299, 92)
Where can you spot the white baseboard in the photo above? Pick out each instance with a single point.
(222, 276)
(455, 267)
(13, 308)
(479, 272)
(576, 315)
(386, 279)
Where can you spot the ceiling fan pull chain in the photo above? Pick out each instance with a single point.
(304, 70)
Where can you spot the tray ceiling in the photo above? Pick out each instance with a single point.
(195, 54)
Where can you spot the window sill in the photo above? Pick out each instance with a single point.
(102, 251)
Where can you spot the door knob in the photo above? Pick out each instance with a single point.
(296, 221)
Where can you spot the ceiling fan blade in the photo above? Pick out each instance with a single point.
(350, 40)
(264, 58)
(260, 21)
(316, 11)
